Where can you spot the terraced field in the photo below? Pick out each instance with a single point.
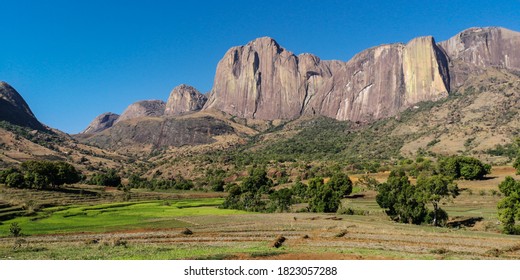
(159, 230)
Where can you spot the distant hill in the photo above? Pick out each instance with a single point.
(15, 110)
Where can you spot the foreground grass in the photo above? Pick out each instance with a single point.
(116, 216)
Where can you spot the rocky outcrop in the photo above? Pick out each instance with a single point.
(101, 122)
(264, 81)
(15, 110)
(258, 80)
(146, 108)
(161, 133)
(184, 99)
(474, 49)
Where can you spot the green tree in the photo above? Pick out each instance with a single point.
(109, 178)
(257, 181)
(340, 183)
(248, 196)
(282, 199)
(315, 184)
(6, 172)
(435, 188)
(509, 206)
(45, 174)
(325, 199)
(516, 165)
(15, 180)
(300, 190)
(463, 167)
(401, 200)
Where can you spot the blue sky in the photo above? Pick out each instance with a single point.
(73, 60)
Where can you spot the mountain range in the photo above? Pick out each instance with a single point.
(261, 86)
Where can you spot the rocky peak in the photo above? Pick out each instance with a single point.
(101, 122)
(184, 99)
(263, 80)
(15, 110)
(145, 108)
(473, 49)
(489, 46)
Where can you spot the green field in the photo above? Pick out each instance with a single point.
(116, 216)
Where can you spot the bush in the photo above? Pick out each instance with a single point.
(15, 230)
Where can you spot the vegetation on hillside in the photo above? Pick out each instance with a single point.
(40, 175)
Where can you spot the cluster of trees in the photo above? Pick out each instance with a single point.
(252, 193)
(109, 178)
(135, 181)
(40, 175)
(249, 194)
(406, 203)
(463, 167)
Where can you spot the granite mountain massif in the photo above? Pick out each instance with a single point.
(263, 82)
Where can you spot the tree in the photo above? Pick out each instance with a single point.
(463, 167)
(282, 199)
(6, 172)
(300, 189)
(435, 188)
(15, 180)
(248, 196)
(341, 183)
(314, 185)
(401, 200)
(325, 199)
(257, 181)
(516, 165)
(45, 174)
(109, 179)
(509, 206)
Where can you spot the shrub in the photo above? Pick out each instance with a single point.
(15, 230)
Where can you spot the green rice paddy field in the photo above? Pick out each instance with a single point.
(184, 228)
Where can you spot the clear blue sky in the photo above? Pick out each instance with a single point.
(73, 60)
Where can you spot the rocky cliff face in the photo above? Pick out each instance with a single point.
(101, 122)
(146, 108)
(258, 80)
(264, 81)
(15, 110)
(474, 49)
(184, 99)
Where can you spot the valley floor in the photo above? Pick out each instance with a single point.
(157, 230)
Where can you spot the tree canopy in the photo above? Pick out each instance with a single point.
(406, 203)
(463, 167)
(40, 175)
(509, 206)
